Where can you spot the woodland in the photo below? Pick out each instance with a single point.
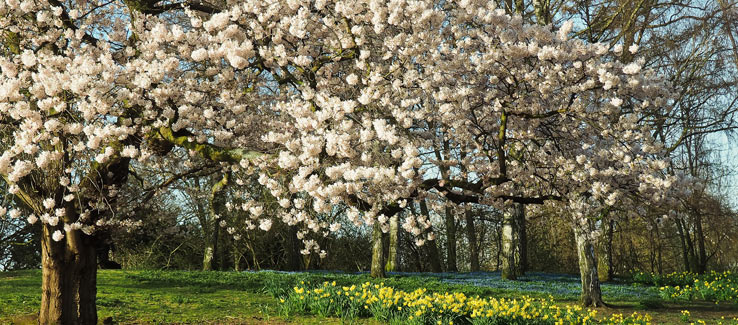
(476, 144)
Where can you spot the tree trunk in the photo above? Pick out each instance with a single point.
(291, 250)
(236, 259)
(471, 237)
(451, 241)
(511, 242)
(591, 294)
(700, 238)
(523, 241)
(377, 270)
(683, 243)
(217, 202)
(690, 249)
(433, 256)
(209, 256)
(209, 261)
(69, 278)
(391, 265)
(608, 250)
(499, 240)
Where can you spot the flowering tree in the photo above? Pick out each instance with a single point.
(328, 103)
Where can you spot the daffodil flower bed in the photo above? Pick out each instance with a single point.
(421, 307)
(681, 278)
(713, 286)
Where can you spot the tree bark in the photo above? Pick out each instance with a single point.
(434, 258)
(450, 241)
(499, 241)
(511, 242)
(69, 278)
(377, 269)
(591, 295)
(683, 243)
(471, 237)
(700, 238)
(237, 255)
(391, 265)
(523, 242)
(291, 250)
(210, 249)
(217, 202)
(608, 251)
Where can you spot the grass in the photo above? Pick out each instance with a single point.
(166, 297)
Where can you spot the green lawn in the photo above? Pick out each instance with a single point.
(252, 297)
(142, 297)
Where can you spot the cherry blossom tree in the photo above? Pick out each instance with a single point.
(327, 103)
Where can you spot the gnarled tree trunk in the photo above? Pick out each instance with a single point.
(591, 295)
(69, 278)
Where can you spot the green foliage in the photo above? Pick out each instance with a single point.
(712, 286)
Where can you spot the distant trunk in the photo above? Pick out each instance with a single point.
(652, 247)
(377, 269)
(591, 295)
(391, 265)
(683, 242)
(291, 250)
(69, 279)
(498, 241)
(434, 258)
(690, 248)
(471, 237)
(660, 246)
(416, 259)
(211, 249)
(605, 266)
(237, 255)
(450, 241)
(610, 261)
(523, 233)
(217, 202)
(700, 238)
(511, 242)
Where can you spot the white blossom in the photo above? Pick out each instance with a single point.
(57, 236)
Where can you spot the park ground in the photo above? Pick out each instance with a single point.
(194, 297)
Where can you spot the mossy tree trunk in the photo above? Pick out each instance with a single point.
(216, 204)
(377, 268)
(394, 243)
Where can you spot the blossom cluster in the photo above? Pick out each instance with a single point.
(359, 104)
